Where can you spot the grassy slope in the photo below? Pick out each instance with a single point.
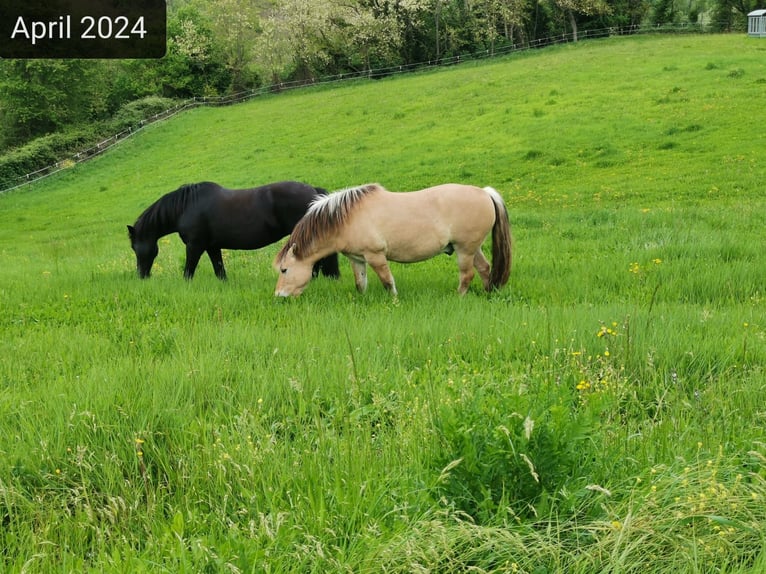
(312, 434)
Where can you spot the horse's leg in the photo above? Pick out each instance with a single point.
(193, 255)
(482, 266)
(216, 258)
(359, 266)
(379, 264)
(328, 266)
(465, 263)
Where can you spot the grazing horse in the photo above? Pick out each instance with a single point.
(209, 218)
(369, 224)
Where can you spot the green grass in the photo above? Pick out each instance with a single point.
(602, 413)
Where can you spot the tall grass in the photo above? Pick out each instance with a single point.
(602, 413)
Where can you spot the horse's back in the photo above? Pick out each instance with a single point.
(412, 226)
(449, 203)
(247, 218)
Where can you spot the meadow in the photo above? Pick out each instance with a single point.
(604, 412)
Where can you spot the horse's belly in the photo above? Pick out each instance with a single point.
(417, 249)
(241, 238)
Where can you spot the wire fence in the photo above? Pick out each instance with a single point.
(109, 143)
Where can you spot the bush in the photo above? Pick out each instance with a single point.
(47, 150)
(41, 153)
(133, 113)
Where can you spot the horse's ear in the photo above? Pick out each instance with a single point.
(131, 231)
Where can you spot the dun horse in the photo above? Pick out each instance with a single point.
(209, 218)
(369, 224)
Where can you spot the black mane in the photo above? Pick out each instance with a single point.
(168, 207)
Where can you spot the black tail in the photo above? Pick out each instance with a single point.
(501, 243)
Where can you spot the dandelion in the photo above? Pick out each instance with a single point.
(583, 385)
(616, 524)
(657, 261)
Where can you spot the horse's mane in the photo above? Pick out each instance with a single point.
(325, 215)
(167, 208)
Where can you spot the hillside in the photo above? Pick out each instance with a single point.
(602, 413)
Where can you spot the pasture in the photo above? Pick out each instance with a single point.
(603, 412)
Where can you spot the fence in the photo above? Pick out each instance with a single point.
(110, 142)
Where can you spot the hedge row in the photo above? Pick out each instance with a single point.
(47, 151)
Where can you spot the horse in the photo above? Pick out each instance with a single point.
(209, 218)
(371, 225)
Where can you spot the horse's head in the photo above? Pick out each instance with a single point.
(146, 251)
(294, 273)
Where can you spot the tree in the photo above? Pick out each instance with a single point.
(587, 7)
(273, 51)
(193, 63)
(43, 96)
(664, 12)
(499, 19)
(236, 24)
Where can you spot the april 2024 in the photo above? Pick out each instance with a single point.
(86, 28)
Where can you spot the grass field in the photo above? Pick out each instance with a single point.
(602, 413)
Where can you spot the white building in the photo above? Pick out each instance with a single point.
(756, 24)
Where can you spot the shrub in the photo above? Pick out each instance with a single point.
(46, 151)
(133, 113)
(42, 152)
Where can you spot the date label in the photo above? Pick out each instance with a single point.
(83, 29)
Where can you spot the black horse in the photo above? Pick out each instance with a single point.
(209, 218)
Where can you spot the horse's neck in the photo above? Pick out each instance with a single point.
(164, 224)
(321, 251)
(166, 228)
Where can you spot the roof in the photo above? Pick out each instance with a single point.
(757, 13)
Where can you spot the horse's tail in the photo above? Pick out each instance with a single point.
(501, 243)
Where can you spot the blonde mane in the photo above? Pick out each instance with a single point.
(323, 218)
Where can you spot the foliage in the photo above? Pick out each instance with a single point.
(43, 151)
(193, 65)
(40, 97)
(134, 112)
(49, 150)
